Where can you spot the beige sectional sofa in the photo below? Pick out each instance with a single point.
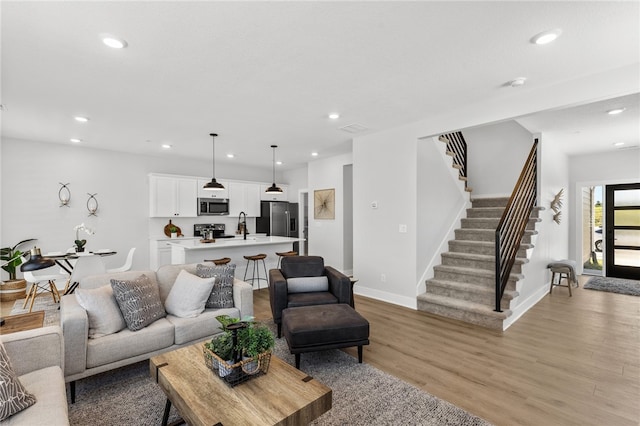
(85, 357)
(37, 358)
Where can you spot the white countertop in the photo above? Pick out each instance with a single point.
(195, 244)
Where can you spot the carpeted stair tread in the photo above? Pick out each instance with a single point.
(480, 257)
(474, 271)
(464, 305)
(490, 201)
(469, 287)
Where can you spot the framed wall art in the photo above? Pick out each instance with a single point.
(324, 204)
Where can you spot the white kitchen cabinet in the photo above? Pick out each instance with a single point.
(264, 196)
(160, 252)
(212, 194)
(171, 196)
(244, 197)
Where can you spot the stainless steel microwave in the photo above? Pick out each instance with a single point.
(213, 206)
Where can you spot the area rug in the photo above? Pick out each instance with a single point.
(42, 303)
(362, 395)
(614, 285)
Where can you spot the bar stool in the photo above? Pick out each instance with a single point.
(221, 261)
(282, 254)
(565, 269)
(256, 271)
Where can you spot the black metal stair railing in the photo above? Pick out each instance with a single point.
(457, 148)
(513, 222)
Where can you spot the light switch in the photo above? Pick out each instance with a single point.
(374, 204)
(402, 228)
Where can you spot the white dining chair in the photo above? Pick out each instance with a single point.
(42, 281)
(85, 266)
(127, 263)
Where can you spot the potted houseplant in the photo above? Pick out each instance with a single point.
(79, 244)
(174, 231)
(253, 341)
(10, 259)
(222, 346)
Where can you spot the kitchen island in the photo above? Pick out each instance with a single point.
(193, 251)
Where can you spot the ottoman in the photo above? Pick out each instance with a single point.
(321, 327)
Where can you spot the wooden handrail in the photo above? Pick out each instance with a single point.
(513, 222)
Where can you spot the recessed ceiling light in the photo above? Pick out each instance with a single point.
(517, 82)
(230, 156)
(113, 42)
(616, 111)
(166, 146)
(546, 37)
(314, 154)
(75, 140)
(279, 163)
(334, 115)
(618, 144)
(81, 119)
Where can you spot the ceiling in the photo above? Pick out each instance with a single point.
(263, 73)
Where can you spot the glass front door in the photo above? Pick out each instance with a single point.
(622, 229)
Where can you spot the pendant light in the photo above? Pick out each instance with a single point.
(273, 189)
(213, 185)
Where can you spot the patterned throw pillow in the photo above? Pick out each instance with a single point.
(139, 301)
(222, 293)
(15, 397)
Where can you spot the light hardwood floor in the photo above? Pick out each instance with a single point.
(569, 360)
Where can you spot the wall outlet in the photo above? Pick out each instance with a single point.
(383, 278)
(403, 229)
(374, 204)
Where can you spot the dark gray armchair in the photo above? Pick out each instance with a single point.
(305, 281)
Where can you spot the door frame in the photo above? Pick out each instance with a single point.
(613, 270)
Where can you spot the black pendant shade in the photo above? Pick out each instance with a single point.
(213, 185)
(273, 189)
(36, 261)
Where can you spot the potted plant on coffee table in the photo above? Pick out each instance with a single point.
(10, 259)
(254, 341)
(222, 346)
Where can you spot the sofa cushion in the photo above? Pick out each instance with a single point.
(302, 266)
(102, 309)
(221, 295)
(139, 301)
(47, 384)
(307, 284)
(188, 295)
(201, 327)
(127, 343)
(167, 274)
(15, 396)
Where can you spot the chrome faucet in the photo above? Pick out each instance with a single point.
(244, 224)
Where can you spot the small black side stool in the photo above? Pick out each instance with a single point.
(221, 261)
(256, 271)
(565, 269)
(282, 254)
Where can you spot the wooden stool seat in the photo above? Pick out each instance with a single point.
(282, 254)
(256, 271)
(221, 261)
(565, 269)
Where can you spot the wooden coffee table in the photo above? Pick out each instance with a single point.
(283, 396)
(22, 322)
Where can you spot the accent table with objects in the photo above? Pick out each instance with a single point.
(283, 396)
(59, 257)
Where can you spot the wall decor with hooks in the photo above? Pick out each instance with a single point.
(92, 204)
(64, 194)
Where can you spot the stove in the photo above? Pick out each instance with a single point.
(201, 230)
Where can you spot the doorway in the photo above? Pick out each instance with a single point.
(622, 231)
(592, 217)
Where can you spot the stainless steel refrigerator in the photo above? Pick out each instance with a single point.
(278, 218)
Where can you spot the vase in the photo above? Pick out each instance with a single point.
(79, 249)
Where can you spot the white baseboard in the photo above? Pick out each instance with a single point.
(407, 302)
(526, 305)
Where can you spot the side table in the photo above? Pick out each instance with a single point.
(22, 322)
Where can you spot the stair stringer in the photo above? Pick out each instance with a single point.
(443, 247)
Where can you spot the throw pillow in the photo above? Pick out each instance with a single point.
(15, 397)
(139, 301)
(188, 295)
(222, 292)
(104, 314)
(307, 284)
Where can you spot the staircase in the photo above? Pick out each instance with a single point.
(463, 286)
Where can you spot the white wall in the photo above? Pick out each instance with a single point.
(298, 180)
(384, 172)
(495, 156)
(326, 236)
(30, 207)
(614, 167)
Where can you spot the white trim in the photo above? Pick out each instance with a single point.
(407, 302)
(523, 307)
